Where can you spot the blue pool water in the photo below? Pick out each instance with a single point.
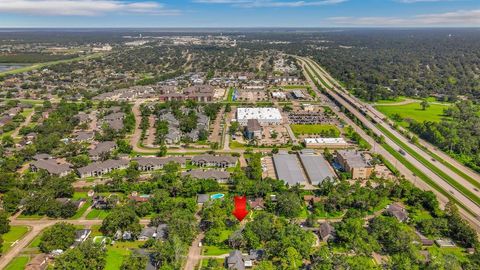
(217, 196)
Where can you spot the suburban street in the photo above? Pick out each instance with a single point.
(36, 227)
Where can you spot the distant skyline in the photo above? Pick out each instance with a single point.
(239, 13)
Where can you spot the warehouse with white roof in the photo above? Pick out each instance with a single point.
(265, 116)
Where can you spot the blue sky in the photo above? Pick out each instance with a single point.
(239, 13)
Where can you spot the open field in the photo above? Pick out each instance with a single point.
(314, 129)
(41, 65)
(15, 234)
(414, 111)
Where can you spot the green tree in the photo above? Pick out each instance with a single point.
(59, 236)
(4, 222)
(87, 255)
(425, 104)
(134, 262)
(289, 204)
(123, 219)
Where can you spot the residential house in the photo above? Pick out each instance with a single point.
(157, 233)
(52, 166)
(202, 198)
(235, 260)
(100, 202)
(214, 161)
(100, 168)
(397, 210)
(257, 204)
(326, 232)
(101, 150)
(157, 163)
(424, 240)
(83, 136)
(219, 176)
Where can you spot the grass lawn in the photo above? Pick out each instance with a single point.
(230, 94)
(36, 241)
(97, 214)
(15, 233)
(214, 251)
(79, 195)
(314, 129)
(381, 205)
(18, 263)
(458, 252)
(414, 111)
(236, 145)
(117, 253)
(26, 112)
(219, 262)
(81, 211)
(418, 215)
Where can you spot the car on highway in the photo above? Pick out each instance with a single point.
(402, 152)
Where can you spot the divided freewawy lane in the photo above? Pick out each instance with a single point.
(374, 113)
(457, 182)
(466, 202)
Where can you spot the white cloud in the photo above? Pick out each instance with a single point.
(455, 18)
(82, 7)
(420, 1)
(270, 3)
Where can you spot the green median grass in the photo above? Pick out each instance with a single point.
(430, 166)
(18, 263)
(423, 176)
(451, 167)
(15, 234)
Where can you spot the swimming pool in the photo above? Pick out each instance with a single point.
(217, 196)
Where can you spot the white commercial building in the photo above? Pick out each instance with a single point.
(265, 116)
(326, 142)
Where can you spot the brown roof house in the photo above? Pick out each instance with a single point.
(326, 232)
(257, 204)
(397, 210)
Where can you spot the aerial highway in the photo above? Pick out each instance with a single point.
(337, 95)
(469, 189)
